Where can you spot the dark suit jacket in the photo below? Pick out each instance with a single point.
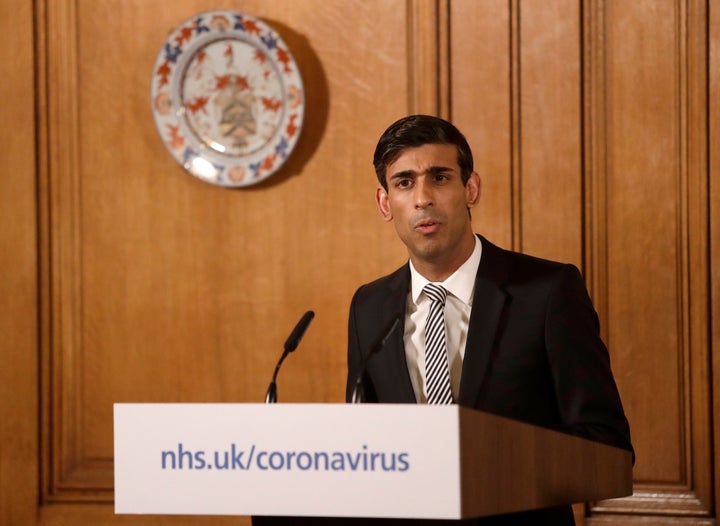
(533, 352)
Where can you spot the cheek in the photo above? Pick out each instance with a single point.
(395, 208)
(461, 207)
(400, 218)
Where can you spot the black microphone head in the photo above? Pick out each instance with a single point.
(296, 335)
(290, 345)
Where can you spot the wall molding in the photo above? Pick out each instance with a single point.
(429, 57)
(68, 472)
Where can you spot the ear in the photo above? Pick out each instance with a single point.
(473, 189)
(383, 203)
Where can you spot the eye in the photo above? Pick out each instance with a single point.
(403, 183)
(440, 178)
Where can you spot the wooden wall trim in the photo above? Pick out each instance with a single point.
(651, 520)
(515, 127)
(700, 414)
(697, 217)
(428, 57)
(714, 230)
(595, 159)
(68, 473)
(660, 501)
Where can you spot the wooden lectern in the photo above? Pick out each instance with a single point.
(345, 461)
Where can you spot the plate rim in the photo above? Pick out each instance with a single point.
(262, 162)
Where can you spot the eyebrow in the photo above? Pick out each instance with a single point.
(433, 170)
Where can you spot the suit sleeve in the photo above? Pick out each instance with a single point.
(588, 399)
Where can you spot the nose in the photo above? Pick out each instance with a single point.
(423, 194)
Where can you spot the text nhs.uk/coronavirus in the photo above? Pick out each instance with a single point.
(246, 458)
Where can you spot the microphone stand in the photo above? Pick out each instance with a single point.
(290, 345)
(358, 393)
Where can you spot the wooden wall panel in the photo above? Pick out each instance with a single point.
(18, 260)
(646, 238)
(428, 48)
(481, 106)
(590, 127)
(516, 93)
(165, 288)
(644, 244)
(550, 135)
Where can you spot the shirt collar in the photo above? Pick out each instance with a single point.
(460, 283)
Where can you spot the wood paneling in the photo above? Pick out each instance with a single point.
(647, 244)
(595, 148)
(126, 279)
(482, 106)
(164, 288)
(517, 66)
(550, 135)
(18, 279)
(428, 47)
(714, 231)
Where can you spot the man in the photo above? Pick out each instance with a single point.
(521, 336)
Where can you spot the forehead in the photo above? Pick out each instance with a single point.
(421, 158)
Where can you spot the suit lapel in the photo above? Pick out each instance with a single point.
(394, 352)
(488, 302)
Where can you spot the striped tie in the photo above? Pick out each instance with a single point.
(437, 371)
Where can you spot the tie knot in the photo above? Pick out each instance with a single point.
(436, 293)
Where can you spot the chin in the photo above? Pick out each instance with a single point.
(429, 251)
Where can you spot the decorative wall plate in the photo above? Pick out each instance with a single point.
(227, 98)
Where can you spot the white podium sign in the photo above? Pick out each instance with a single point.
(331, 460)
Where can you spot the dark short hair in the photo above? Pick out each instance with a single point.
(417, 130)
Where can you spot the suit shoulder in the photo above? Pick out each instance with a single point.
(526, 261)
(505, 258)
(381, 287)
(512, 269)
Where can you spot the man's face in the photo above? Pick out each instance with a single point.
(429, 205)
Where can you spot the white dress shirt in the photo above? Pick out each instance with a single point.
(461, 288)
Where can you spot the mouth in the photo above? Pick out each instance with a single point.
(427, 226)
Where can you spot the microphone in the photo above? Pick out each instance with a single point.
(290, 345)
(357, 394)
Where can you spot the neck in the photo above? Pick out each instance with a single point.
(437, 270)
